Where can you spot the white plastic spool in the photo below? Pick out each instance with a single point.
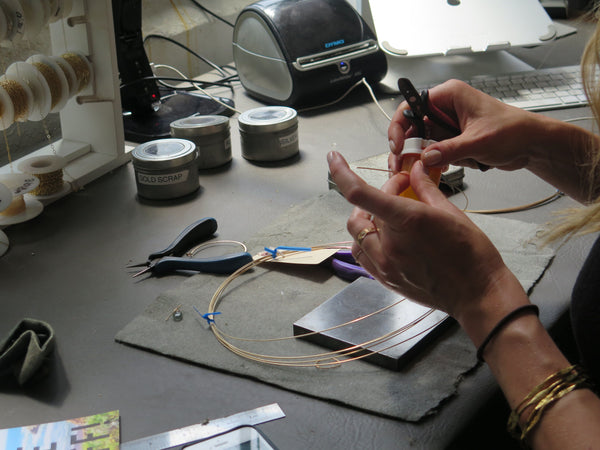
(28, 99)
(16, 21)
(64, 84)
(63, 9)
(7, 117)
(43, 165)
(89, 69)
(5, 197)
(19, 184)
(3, 25)
(4, 243)
(5, 201)
(53, 5)
(39, 87)
(68, 72)
(37, 13)
(44, 6)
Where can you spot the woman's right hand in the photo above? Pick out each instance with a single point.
(492, 133)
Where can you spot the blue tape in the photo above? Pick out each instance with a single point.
(273, 251)
(208, 316)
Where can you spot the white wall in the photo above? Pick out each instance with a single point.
(186, 23)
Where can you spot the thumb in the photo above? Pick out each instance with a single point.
(456, 150)
(427, 191)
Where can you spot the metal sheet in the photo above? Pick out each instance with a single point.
(361, 298)
(177, 439)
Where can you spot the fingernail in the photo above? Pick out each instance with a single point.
(331, 156)
(392, 145)
(432, 157)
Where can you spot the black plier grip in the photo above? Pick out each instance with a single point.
(198, 231)
(421, 107)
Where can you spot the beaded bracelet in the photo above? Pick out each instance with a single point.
(552, 389)
(505, 320)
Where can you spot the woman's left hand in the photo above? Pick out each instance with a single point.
(427, 250)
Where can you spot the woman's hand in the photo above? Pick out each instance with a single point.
(493, 133)
(429, 251)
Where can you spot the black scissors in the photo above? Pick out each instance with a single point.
(421, 107)
(172, 259)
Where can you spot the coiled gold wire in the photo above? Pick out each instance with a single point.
(330, 359)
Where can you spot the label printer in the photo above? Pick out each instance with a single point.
(304, 52)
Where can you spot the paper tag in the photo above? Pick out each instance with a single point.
(313, 257)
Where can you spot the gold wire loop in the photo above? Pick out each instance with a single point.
(223, 242)
(322, 360)
(329, 363)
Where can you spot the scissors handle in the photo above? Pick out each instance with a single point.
(194, 233)
(218, 265)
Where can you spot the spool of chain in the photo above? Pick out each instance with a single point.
(49, 170)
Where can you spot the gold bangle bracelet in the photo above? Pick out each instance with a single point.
(552, 389)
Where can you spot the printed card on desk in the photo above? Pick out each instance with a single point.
(97, 431)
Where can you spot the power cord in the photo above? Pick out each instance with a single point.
(362, 81)
(206, 10)
(195, 85)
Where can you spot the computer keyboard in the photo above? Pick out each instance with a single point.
(536, 90)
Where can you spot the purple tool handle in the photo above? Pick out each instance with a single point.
(345, 266)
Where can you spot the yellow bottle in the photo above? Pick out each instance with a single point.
(411, 153)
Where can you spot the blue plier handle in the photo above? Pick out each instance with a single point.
(171, 259)
(226, 264)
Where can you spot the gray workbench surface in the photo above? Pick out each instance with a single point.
(67, 267)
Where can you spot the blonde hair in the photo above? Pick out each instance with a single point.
(585, 220)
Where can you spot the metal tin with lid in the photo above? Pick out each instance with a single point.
(211, 135)
(269, 133)
(166, 168)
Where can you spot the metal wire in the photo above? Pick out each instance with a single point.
(321, 360)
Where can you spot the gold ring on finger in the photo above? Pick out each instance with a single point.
(364, 233)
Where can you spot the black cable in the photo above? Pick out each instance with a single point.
(212, 13)
(200, 57)
(225, 82)
(182, 80)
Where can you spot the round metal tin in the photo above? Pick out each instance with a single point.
(193, 126)
(164, 153)
(166, 168)
(269, 133)
(268, 119)
(210, 134)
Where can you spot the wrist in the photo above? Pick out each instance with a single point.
(479, 317)
(514, 315)
(558, 153)
(548, 135)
